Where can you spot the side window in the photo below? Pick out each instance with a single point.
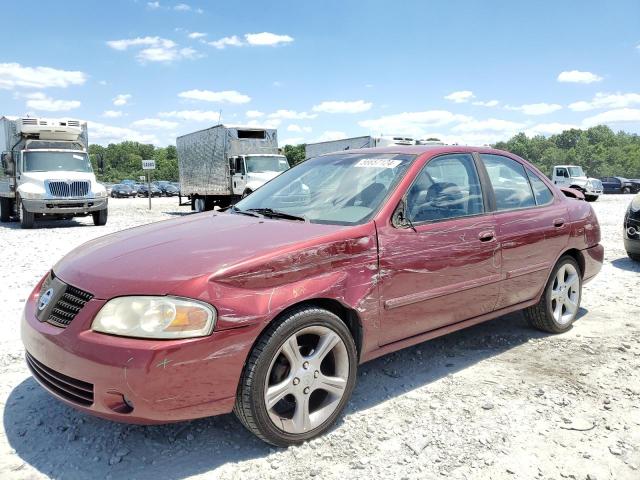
(447, 187)
(540, 190)
(509, 181)
(562, 172)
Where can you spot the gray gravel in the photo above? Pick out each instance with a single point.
(498, 400)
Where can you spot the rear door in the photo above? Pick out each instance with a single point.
(532, 225)
(446, 267)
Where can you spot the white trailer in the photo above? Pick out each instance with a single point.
(221, 164)
(367, 141)
(46, 171)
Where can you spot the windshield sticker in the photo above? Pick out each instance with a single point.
(378, 163)
(78, 157)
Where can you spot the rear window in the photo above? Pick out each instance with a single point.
(541, 192)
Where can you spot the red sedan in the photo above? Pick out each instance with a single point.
(267, 309)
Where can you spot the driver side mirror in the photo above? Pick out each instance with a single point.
(399, 218)
(7, 164)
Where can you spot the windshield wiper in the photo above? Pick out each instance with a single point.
(245, 212)
(270, 212)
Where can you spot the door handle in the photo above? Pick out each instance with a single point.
(486, 236)
(558, 222)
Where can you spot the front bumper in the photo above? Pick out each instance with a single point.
(135, 380)
(65, 206)
(596, 192)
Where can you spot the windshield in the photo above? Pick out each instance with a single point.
(340, 189)
(576, 172)
(56, 161)
(260, 164)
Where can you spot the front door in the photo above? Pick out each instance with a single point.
(446, 268)
(239, 179)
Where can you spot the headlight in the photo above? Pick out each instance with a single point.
(635, 203)
(31, 195)
(155, 317)
(101, 194)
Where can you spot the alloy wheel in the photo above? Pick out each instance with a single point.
(565, 294)
(306, 380)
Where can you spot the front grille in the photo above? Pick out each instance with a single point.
(67, 306)
(71, 389)
(78, 188)
(66, 309)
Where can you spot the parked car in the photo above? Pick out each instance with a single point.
(171, 190)
(122, 190)
(161, 184)
(268, 308)
(631, 230)
(619, 185)
(143, 191)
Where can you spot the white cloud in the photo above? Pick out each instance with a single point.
(489, 125)
(333, 106)
(292, 115)
(277, 83)
(192, 115)
(619, 115)
(411, 123)
(121, 99)
(577, 76)
(153, 5)
(267, 38)
(182, 7)
(462, 96)
(607, 100)
(232, 41)
(267, 123)
(490, 103)
(297, 128)
(225, 96)
(102, 82)
(39, 101)
(254, 114)
(112, 113)
(196, 35)
(536, 108)
(14, 75)
(154, 123)
(105, 134)
(157, 49)
(331, 135)
(549, 128)
(291, 141)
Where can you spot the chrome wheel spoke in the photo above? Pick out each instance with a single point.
(325, 345)
(301, 419)
(291, 350)
(570, 305)
(564, 296)
(277, 392)
(333, 385)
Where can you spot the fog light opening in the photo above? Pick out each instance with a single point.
(118, 403)
(632, 232)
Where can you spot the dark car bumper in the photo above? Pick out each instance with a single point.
(134, 380)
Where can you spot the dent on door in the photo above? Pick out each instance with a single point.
(443, 273)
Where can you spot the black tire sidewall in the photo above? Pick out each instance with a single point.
(292, 324)
(559, 328)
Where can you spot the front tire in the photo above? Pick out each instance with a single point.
(298, 378)
(560, 302)
(634, 256)
(27, 219)
(626, 190)
(100, 217)
(246, 193)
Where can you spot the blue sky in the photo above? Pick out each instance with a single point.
(465, 71)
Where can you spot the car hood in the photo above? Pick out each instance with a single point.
(154, 259)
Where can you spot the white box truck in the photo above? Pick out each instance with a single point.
(367, 141)
(221, 164)
(572, 176)
(46, 171)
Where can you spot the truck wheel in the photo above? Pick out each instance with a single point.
(591, 198)
(27, 219)
(246, 193)
(99, 217)
(6, 209)
(298, 377)
(199, 205)
(557, 309)
(626, 190)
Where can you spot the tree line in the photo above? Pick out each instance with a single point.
(599, 150)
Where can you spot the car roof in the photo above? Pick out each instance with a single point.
(422, 149)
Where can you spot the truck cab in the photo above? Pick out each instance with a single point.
(46, 172)
(572, 176)
(249, 172)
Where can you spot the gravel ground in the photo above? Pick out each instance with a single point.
(497, 400)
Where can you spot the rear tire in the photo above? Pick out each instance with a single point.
(304, 366)
(100, 217)
(634, 256)
(6, 209)
(626, 190)
(557, 309)
(199, 205)
(27, 219)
